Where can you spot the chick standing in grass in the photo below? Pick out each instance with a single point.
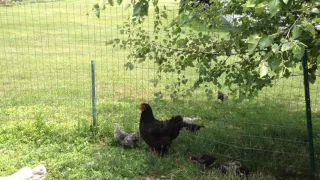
(26, 173)
(204, 159)
(243, 171)
(118, 134)
(233, 166)
(222, 96)
(131, 140)
(125, 139)
(192, 127)
(189, 124)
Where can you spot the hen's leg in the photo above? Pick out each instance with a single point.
(164, 150)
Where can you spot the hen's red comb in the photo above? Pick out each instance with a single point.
(141, 107)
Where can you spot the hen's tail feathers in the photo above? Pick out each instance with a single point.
(26, 173)
(190, 120)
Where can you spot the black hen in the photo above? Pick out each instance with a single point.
(158, 134)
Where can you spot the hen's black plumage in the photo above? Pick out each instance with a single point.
(204, 159)
(158, 134)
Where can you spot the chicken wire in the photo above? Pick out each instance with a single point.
(45, 54)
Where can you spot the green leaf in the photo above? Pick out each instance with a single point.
(249, 4)
(318, 60)
(96, 6)
(312, 78)
(296, 32)
(275, 7)
(315, 10)
(317, 20)
(309, 27)
(129, 65)
(164, 15)
(154, 82)
(286, 73)
(156, 9)
(253, 41)
(98, 12)
(111, 2)
(260, 8)
(155, 2)
(275, 48)
(109, 42)
(117, 40)
(182, 42)
(286, 1)
(141, 8)
(274, 62)
(119, 2)
(263, 69)
(184, 81)
(286, 46)
(266, 41)
(298, 51)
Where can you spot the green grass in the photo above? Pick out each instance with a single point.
(45, 106)
(71, 151)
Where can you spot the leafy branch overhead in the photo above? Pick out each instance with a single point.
(262, 42)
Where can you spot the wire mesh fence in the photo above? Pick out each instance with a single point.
(45, 55)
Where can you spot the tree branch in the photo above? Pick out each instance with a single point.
(289, 30)
(203, 52)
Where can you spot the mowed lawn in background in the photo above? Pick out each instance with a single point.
(45, 106)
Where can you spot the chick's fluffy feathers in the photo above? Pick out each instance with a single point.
(26, 173)
(125, 139)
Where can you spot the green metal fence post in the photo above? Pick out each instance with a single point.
(93, 94)
(308, 112)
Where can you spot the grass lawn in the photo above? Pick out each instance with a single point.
(45, 105)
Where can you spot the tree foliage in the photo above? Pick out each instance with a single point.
(268, 39)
